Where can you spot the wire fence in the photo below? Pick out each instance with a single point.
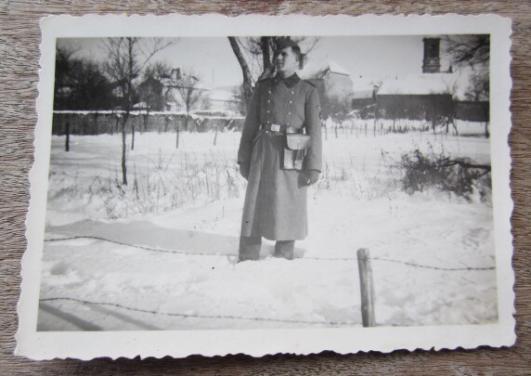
(201, 316)
(186, 253)
(366, 286)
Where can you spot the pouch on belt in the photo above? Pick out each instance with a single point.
(297, 145)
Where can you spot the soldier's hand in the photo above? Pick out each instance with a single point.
(244, 171)
(310, 177)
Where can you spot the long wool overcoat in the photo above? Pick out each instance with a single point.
(275, 202)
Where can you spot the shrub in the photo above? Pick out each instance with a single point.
(457, 175)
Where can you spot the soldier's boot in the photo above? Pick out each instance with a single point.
(249, 248)
(285, 249)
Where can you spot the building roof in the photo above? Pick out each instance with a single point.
(319, 70)
(419, 84)
(362, 94)
(455, 84)
(363, 87)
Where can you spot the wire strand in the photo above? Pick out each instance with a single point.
(415, 265)
(161, 250)
(310, 258)
(188, 315)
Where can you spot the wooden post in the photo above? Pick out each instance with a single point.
(177, 130)
(215, 134)
(133, 120)
(375, 117)
(366, 287)
(67, 132)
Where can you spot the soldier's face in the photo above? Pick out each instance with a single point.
(286, 61)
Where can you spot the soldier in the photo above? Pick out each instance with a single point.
(283, 108)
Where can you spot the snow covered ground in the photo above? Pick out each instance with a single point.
(160, 254)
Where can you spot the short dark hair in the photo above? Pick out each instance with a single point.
(299, 54)
(284, 42)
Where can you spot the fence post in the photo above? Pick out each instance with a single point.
(366, 287)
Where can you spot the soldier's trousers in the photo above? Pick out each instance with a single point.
(250, 248)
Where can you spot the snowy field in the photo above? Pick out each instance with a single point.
(160, 253)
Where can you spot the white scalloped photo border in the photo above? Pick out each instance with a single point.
(181, 343)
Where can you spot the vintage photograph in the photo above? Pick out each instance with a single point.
(171, 169)
(269, 181)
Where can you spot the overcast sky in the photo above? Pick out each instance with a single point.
(214, 61)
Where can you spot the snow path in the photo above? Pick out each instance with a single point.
(143, 233)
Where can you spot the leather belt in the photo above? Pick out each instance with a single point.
(279, 129)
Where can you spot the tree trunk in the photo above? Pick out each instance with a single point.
(177, 135)
(124, 167)
(265, 42)
(132, 136)
(144, 128)
(128, 105)
(247, 82)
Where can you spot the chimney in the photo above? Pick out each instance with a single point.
(431, 62)
(176, 74)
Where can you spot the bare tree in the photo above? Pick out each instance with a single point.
(79, 85)
(473, 51)
(190, 92)
(62, 69)
(478, 89)
(127, 58)
(261, 52)
(256, 55)
(151, 90)
(247, 85)
(187, 86)
(237, 102)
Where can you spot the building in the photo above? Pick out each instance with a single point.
(334, 84)
(436, 92)
(151, 95)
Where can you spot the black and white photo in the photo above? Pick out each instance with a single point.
(336, 184)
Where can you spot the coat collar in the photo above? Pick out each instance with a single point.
(289, 81)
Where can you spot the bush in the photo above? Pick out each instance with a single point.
(457, 175)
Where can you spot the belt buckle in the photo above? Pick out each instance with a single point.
(275, 127)
(291, 130)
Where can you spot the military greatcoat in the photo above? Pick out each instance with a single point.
(275, 204)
